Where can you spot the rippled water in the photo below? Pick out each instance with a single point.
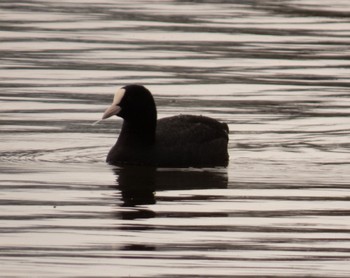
(276, 71)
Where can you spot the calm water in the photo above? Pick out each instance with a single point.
(278, 72)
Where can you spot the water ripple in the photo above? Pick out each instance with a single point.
(276, 72)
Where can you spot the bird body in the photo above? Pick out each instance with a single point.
(178, 141)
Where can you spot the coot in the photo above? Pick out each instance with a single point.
(178, 141)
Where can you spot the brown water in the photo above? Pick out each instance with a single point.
(276, 71)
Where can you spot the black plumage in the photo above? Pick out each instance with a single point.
(178, 141)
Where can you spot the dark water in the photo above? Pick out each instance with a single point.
(276, 71)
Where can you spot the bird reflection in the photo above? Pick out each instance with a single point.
(138, 184)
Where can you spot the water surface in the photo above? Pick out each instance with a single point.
(276, 71)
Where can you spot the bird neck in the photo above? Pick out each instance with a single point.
(138, 133)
